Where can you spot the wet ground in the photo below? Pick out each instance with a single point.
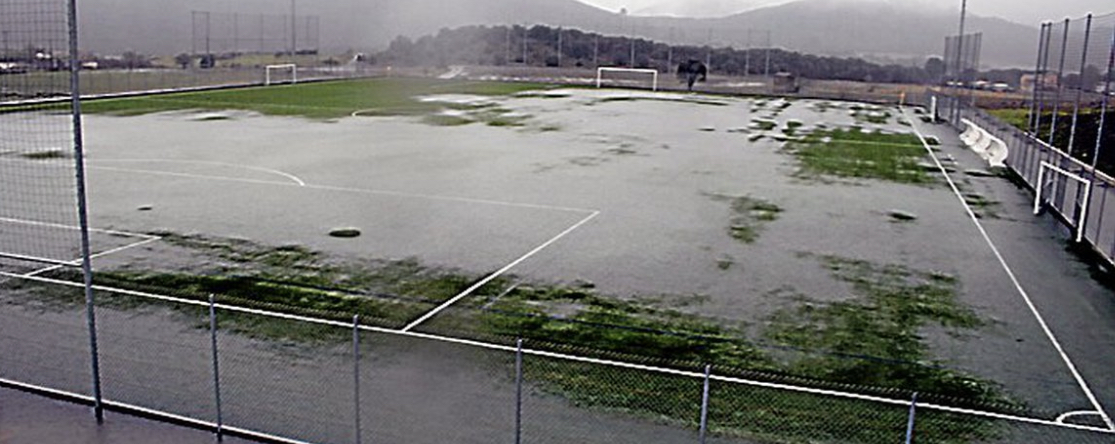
(479, 197)
(32, 419)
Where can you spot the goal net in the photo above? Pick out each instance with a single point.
(281, 74)
(627, 77)
(1066, 193)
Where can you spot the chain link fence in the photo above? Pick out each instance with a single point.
(1061, 145)
(280, 374)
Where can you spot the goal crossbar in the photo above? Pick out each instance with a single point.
(1087, 184)
(600, 74)
(289, 66)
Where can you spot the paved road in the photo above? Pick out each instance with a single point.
(31, 419)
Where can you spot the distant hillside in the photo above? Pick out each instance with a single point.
(872, 29)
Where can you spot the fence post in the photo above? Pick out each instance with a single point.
(704, 403)
(82, 208)
(519, 391)
(1080, 88)
(216, 365)
(1048, 36)
(910, 419)
(356, 373)
(1060, 82)
(1109, 78)
(1037, 79)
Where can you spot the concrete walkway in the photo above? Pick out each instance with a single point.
(32, 419)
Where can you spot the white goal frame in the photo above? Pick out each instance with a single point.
(1087, 184)
(289, 66)
(600, 74)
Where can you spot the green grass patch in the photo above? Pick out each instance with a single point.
(749, 215)
(764, 125)
(45, 155)
(871, 339)
(324, 100)
(446, 120)
(692, 100)
(853, 153)
(871, 115)
(1014, 117)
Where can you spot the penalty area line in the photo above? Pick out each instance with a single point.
(468, 291)
(1014, 280)
(76, 262)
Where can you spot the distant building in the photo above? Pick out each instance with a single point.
(785, 82)
(1030, 81)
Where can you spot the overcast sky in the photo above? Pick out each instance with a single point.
(1030, 12)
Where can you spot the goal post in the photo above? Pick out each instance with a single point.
(274, 74)
(1049, 174)
(600, 75)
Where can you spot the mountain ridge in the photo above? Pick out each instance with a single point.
(872, 29)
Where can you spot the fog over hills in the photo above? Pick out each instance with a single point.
(900, 30)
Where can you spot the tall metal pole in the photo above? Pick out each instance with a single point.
(507, 50)
(911, 418)
(1044, 72)
(208, 17)
(193, 33)
(235, 32)
(83, 210)
(960, 68)
(1037, 79)
(216, 365)
(525, 36)
(747, 56)
(704, 404)
(356, 375)
(596, 50)
(293, 30)
(1080, 88)
(519, 391)
(708, 53)
(1060, 82)
(766, 71)
(559, 42)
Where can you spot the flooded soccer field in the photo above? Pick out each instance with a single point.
(820, 238)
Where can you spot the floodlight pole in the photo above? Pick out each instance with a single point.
(293, 30)
(959, 62)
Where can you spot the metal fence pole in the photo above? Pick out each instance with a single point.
(356, 374)
(1107, 91)
(1060, 82)
(82, 207)
(1043, 72)
(216, 365)
(519, 391)
(1080, 88)
(1037, 77)
(704, 403)
(911, 418)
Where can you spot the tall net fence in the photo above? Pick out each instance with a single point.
(278, 373)
(1062, 145)
(38, 213)
(243, 33)
(962, 61)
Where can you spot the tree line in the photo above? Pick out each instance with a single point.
(545, 46)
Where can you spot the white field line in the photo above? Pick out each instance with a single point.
(499, 272)
(95, 256)
(287, 175)
(574, 358)
(75, 228)
(352, 190)
(1018, 286)
(1064, 416)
